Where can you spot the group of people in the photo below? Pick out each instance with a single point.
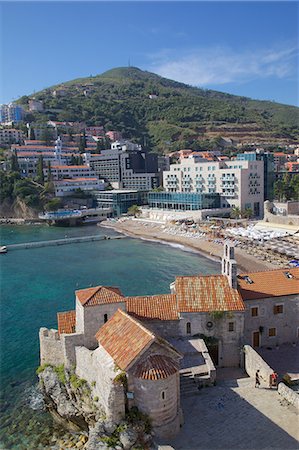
(272, 379)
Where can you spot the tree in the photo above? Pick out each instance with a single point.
(31, 134)
(134, 210)
(279, 190)
(53, 204)
(14, 162)
(46, 136)
(247, 213)
(82, 143)
(235, 212)
(40, 170)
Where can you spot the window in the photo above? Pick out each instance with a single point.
(254, 311)
(272, 332)
(163, 395)
(188, 328)
(277, 309)
(231, 326)
(105, 318)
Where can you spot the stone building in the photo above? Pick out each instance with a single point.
(154, 342)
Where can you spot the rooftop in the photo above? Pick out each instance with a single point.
(155, 307)
(124, 338)
(156, 367)
(206, 294)
(66, 322)
(272, 283)
(99, 295)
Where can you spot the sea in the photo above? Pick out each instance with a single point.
(36, 283)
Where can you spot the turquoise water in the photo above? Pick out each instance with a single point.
(36, 283)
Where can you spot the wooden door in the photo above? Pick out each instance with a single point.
(256, 339)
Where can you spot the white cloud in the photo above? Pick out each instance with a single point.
(221, 65)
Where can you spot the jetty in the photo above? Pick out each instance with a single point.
(65, 241)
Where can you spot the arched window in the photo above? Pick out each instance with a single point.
(163, 395)
(188, 328)
(105, 318)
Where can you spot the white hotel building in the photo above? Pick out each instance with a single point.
(68, 186)
(239, 183)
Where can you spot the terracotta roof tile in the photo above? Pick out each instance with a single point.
(99, 295)
(124, 338)
(156, 367)
(66, 322)
(207, 293)
(158, 307)
(272, 283)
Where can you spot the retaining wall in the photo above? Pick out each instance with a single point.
(290, 395)
(253, 362)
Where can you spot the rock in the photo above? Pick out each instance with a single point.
(79, 444)
(128, 438)
(110, 426)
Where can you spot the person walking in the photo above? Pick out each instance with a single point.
(257, 379)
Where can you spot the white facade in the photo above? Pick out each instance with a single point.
(11, 136)
(67, 186)
(61, 172)
(240, 183)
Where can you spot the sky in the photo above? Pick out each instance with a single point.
(243, 48)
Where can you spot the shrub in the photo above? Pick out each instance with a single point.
(41, 368)
(121, 378)
(134, 415)
(77, 382)
(59, 370)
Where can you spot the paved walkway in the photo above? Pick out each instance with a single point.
(235, 415)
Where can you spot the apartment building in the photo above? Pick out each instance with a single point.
(60, 172)
(239, 183)
(11, 113)
(125, 166)
(28, 162)
(67, 186)
(11, 136)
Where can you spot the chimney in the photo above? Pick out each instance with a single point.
(229, 264)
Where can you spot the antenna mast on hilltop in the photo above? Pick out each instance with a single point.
(129, 63)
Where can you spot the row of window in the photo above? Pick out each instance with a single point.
(231, 326)
(277, 309)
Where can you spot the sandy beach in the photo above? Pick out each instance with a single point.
(206, 246)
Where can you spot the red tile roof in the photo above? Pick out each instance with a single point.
(124, 338)
(156, 367)
(99, 295)
(66, 322)
(207, 293)
(158, 307)
(272, 283)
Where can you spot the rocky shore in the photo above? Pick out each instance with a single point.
(208, 247)
(72, 405)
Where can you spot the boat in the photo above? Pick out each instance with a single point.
(3, 249)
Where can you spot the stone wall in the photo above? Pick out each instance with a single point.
(69, 343)
(229, 341)
(98, 368)
(51, 350)
(208, 361)
(253, 362)
(94, 318)
(288, 216)
(286, 323)
(290, 395)
(164, 328)
(159, 400)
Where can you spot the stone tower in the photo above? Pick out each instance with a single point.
(229, 264)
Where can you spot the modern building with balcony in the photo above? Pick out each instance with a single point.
(239, 183)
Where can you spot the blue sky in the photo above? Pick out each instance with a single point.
(244, 48)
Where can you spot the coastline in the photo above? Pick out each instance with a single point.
(207, 248)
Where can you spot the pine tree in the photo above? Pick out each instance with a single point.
(40, 170)
(49, 178)
(82, 144)
(14, 162)
(31, 134)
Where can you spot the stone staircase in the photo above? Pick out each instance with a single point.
(190, 384)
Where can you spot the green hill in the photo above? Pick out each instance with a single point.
(180, 115)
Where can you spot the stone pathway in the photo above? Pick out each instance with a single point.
(235, 415)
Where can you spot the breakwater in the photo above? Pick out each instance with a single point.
(65, 241)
